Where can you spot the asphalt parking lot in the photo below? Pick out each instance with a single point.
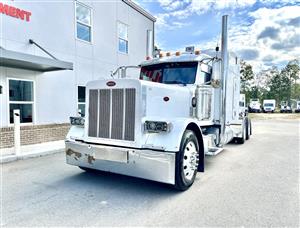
(255, 184)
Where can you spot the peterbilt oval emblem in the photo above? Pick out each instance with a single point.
(111, 83)
(166, 99)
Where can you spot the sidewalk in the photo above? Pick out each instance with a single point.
(31, 151)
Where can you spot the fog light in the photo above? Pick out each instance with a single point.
(157, 126)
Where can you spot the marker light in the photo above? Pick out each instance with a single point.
(177, 53)
(197, 52)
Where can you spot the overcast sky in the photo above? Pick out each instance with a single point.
(264, 33)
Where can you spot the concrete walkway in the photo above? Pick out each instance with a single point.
(30, 151)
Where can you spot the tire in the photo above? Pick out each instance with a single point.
(242, 140)
(187, 161)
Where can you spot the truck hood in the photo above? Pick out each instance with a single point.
(166, 101)
(118, 108)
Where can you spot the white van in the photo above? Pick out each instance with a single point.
(269, 105)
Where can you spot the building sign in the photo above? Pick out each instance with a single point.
(15, 12)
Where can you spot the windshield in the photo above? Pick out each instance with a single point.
(268, 105)
(170, 73)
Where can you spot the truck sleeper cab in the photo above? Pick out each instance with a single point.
(160, 127)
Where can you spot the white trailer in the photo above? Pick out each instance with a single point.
(160, 127)
(269, 105)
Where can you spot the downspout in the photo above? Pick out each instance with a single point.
(224, 72)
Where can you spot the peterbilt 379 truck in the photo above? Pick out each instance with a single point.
(160, 127)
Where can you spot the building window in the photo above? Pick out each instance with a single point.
(21, 97)
(83, 22)
(123, 37)
(81, 100)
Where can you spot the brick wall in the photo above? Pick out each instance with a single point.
(34, 134)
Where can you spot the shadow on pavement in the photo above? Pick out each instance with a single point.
(98, 180)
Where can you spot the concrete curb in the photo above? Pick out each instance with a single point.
(11, 158)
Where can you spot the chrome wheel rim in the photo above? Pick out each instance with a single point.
(190, 160)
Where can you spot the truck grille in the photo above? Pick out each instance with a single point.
(112, 113)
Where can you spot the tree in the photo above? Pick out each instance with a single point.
(280, 87)
(292, 71)
(247, 75)
(272, 83)
(296, 91)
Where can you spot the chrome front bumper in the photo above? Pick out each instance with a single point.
(147, 164)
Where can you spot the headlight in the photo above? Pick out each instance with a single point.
(156, 126)
(77, 121)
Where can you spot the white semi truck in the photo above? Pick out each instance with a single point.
(285, 107)
(269, 105)
(297, 109)
(254, 105)
(160, 127)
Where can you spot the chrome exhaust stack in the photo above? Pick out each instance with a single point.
(224, 73)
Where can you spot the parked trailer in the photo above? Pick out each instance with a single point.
(269, 105)
(160, 127)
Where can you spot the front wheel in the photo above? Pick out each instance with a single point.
(187, 160)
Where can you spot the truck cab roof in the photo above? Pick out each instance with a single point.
(188, 57)
(183, 57)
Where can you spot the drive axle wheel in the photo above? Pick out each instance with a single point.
(244, 134)
(187, 160)
(248, 129)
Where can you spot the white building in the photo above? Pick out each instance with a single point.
(87, 40)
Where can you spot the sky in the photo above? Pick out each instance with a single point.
(264, 33)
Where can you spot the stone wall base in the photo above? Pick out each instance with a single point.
(34, 134)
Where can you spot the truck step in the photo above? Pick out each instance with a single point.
(212, 151)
